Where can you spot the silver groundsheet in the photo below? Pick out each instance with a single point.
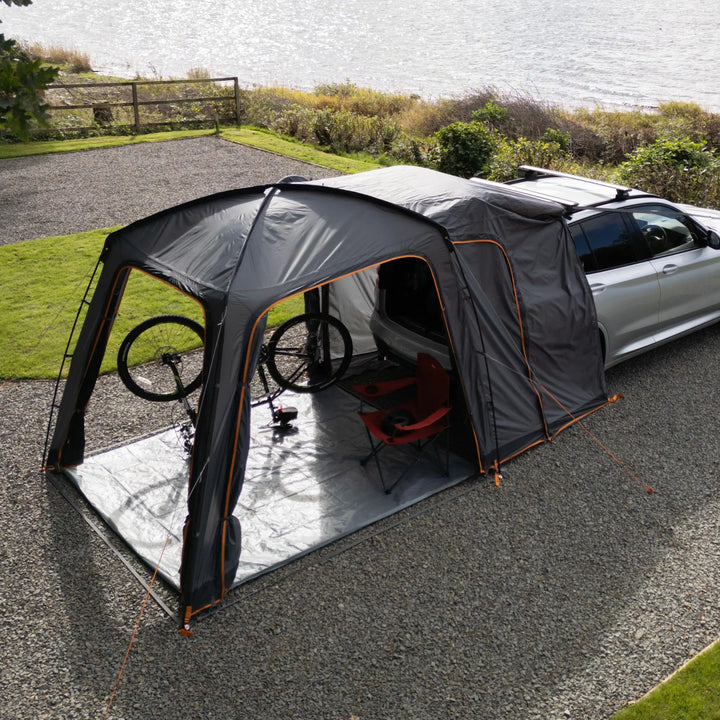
(303, 488)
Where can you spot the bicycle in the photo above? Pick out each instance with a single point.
(298, 357)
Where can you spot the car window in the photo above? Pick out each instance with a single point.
(665, 230)
(609, 241)
(582, 248)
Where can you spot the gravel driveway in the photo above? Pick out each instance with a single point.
(71, 192)
(564, 593)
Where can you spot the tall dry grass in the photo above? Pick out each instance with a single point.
(70, 60)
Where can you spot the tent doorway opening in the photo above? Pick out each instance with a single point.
(304, 483)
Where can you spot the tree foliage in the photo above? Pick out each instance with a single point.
(22, 81)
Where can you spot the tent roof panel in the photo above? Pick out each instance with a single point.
(461, 206)
(200, 241)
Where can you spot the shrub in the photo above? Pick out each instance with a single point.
(466, 148)
(345, 132)
(541, 153)
(683, 119)
(413, 151)
(679, 169)
(561, 138)
(361, 101)
(345, 89)
(295, 121)
(491, 113)
(424, 118)
(527, 118)
(264, 104)
(620, 133)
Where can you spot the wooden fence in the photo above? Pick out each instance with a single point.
(103, 110)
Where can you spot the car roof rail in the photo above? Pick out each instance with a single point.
(537, 194)
(531, 172)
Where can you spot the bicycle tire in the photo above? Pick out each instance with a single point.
(146, 344)
(304, 370)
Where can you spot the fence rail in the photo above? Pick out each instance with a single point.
(103, 109)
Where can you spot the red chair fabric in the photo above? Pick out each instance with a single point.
(421, 418)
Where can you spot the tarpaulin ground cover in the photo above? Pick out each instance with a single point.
(303, 488)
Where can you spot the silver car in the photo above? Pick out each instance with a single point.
(653, 268)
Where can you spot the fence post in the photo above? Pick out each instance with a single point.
(238, 111)
(136, 107)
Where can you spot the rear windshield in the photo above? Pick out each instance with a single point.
(411, 299)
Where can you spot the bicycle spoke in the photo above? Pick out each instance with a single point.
(154, 360)
(305, 339)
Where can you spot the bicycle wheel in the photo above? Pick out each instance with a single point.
(297, 354)
(150, 352)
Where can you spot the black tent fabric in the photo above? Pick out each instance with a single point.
(519, 315)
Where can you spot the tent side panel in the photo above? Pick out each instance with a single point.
(67, 447)
(561, 323)
(497, 349)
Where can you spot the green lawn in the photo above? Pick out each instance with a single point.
(265, 140)
(691, 694)
(57, 146)
(42, 283)
(253, 137)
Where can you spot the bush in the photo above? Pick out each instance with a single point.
(619, 133)
(198, 73)
(295, 121)
(263, 105)
(678, 169)
(541, 153)
(683, 119)
(527, 118)
(350, 98)
(465, 149)
(491, 113)
(425, 118)
(341, 131)
(413, 151)
(345, 89)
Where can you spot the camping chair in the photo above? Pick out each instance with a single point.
(419, 420)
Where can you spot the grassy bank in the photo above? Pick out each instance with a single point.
(672, 150)
(25, 149)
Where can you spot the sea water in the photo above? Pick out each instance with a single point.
(610, 53)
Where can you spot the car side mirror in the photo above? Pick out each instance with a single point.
(713, 240)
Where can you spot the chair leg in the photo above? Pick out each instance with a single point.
(419, 447)
(376, 448)
(375, 452)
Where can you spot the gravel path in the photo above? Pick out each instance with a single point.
(564, 593)
(72, 192)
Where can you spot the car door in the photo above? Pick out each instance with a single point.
(623, 281)
(688, 270)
